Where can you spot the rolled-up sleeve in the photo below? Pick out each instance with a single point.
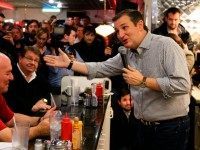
(176, 79)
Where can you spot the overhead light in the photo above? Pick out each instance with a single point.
(50, 9)
(9, 20)
(104, 30)
(51, 1)
(59, 4)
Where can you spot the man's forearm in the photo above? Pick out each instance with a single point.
(24, 118)
(80, 67)
(152, 84)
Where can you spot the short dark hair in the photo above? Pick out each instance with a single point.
(134, 15)
(30, 48)
(68, 29)
(32, 21)
(123, 92)
(89, 29)
(172, 10)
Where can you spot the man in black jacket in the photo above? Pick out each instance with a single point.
(123, 128)
(27, 91)
(172, 24)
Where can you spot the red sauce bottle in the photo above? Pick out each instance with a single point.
(66, 129)
(99, 93)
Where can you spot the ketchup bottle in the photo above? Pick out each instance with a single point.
(66, 128)
(99, 93)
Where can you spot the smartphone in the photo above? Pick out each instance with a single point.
(53, 103)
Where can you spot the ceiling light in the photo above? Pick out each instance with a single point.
(59, 4)
(50, 10)
(104, 30)
(51, 1)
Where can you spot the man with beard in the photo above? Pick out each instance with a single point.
(29, 36)
(123, 129)
(172, 24)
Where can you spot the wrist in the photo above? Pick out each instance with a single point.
(143, 82)
(69, 67)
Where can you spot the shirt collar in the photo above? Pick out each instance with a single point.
(145, 44)
(127, 113)
(33, 75)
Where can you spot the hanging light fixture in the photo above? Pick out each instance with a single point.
(104, 29)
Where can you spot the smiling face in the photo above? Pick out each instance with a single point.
(5, 73)
(130, 34)
(29, 63)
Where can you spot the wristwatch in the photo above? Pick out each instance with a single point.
(70, 65)
(143, 84)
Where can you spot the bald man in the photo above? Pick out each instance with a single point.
(39, 126)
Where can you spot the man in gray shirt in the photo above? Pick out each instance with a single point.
(158, 77)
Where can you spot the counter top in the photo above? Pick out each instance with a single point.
(92, 119)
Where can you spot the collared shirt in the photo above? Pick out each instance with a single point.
(127, 113)
(160, 58)
(33, 75)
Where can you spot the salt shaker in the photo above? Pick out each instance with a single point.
(38, 144)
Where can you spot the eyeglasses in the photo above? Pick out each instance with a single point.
(31, 60)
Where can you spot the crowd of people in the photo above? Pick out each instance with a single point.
(153, 95)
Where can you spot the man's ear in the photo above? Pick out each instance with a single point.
(66, 36)
(140, 24)
(20, 58)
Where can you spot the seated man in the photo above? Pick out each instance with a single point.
(27, 91)
(123, 130)
(39, 126)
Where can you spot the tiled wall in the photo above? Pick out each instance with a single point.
(190, 18)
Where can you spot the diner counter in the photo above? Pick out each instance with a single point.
(93, 121)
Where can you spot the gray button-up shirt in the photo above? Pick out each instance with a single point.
(157, 57)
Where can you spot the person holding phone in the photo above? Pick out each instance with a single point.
(28, 93)
(40, 126)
